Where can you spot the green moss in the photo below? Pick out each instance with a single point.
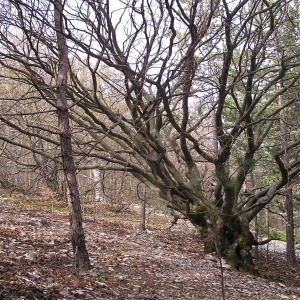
(297, 237)
(239, 241)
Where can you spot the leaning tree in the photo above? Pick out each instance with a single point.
(182, 94)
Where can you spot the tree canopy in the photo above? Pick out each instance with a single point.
(182, 94)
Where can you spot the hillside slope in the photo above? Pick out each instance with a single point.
(128, 263)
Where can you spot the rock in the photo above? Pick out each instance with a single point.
(211, 257)
(78, 292)
(65, 292)
(101, 284)
(94, 273)
(50, 279)
(32, 256)
(284, 296)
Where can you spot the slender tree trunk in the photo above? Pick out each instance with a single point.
(256, 230)
(290, 241)
(143, 208)
(288, 195)
(142, 195)
(81, 257)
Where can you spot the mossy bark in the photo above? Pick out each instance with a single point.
(228, 236)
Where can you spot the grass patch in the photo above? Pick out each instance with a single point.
(279, 235)
(41, 203)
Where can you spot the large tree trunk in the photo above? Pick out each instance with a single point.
(81, 257)
(229, 236)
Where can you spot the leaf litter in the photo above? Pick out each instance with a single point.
(128, 263)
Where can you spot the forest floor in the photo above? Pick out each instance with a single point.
(128, 263)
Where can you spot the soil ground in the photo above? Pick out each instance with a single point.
(128, 263)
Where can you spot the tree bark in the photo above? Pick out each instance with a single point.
(143, 199)
(290, 240)
(81, 257)
(228, 235)
(288, 194)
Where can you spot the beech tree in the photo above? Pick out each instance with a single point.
(182, 94)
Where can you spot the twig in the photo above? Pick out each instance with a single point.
(36, 244)
(219, 254)
(265, 241)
